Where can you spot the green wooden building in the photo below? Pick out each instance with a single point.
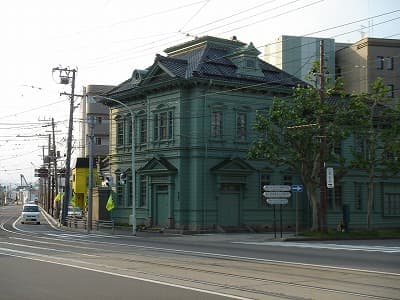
(193, 115)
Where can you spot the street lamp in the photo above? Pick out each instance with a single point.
(103, 99)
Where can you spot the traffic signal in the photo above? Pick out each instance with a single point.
(122, 178)
(108, 181)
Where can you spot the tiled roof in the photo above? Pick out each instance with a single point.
(212, 60)
(174, 65)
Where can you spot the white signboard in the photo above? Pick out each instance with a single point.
(277, 188)
(277, 201)
(277, 194)
(330, 178)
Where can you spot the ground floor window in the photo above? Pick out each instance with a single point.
(120, 194)
(391, 205)
(358, 196)
(143, 191)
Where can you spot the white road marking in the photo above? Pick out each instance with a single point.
(367, 248)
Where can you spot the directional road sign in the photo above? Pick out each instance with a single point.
(277, 188)
(297, 188)
(276, 194)
(277, 201)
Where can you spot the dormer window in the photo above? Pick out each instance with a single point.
(245, 59)
(138, 75)
(250, 63)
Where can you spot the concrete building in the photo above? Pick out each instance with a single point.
(100, 113)
(296, 55)
(361, 63)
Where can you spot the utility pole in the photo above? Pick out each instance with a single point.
(49, 196)
(322, 176)
(90, 189)
(66, 75)
(55, 166)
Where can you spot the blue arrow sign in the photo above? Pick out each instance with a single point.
(297, 188)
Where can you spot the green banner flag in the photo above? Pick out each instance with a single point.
(58, 197)
(110, 203)
(73, 200)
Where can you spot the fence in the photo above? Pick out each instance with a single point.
(74, 222)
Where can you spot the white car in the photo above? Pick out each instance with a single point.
(30, 213)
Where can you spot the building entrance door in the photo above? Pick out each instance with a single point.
(228, 209)
(162, 205)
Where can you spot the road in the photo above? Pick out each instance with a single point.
(40, 261)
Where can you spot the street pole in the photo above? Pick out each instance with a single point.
(64, 79)
(274, 222)
(280, 216)
(133, 176)
(55, 167)
(322, 175)
(297, 214)
(90, 188)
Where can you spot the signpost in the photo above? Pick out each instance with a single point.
(277, 195)
(297, 188)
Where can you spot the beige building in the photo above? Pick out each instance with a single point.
(363, 62)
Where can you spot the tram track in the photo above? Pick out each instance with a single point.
(249, 279)
(236, 277)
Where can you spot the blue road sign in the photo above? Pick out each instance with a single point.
(297, 188)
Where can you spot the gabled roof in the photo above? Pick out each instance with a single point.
(159, 166)
(210, 58)
(233, 166)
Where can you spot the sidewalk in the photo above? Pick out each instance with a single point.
(127, 231)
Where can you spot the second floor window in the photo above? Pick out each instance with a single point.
(389, 63)
(98, 141)
(241, 126)
(390, 91)
(360, 148)
(120, 131)
(129, 130)
(379, 62)
(163, 126)
(143, 130)
(216, 124)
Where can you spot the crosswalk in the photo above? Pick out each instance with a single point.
(330, 246)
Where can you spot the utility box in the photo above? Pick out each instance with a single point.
(100, 198)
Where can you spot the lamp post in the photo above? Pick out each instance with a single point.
(104, 99)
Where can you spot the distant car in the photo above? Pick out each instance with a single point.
(30, 214)
(73, 212)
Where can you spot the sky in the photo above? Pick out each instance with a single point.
(105, 40)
